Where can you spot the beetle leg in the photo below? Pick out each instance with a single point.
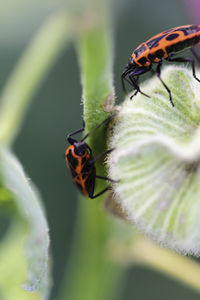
(185, 59)
(158, 70)
(99, 125)
(123, 83)
(134, 83)
(92, 161)
(106, 178)
(134, 78)
(106, 189)
(102, 177)
(100, 193)
(127, 80)
(137, 81)
(71, 140)
(195, 53)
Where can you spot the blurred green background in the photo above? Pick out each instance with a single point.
(56, 111)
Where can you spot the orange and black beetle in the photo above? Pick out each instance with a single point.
(162, 46)
(81, 163)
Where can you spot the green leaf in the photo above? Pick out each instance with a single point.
(28, 233)
(31, 69)
(157, 160)
(31, 227)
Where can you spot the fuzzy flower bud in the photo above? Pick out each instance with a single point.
(156, 158)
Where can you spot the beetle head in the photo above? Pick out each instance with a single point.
(80, 148)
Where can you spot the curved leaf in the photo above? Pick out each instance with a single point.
(34, 229)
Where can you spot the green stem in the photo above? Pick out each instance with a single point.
(177, 266)
(146, 253)
(95, 55)
(29, 72)
(91, 274)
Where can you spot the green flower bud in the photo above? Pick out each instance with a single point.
(156, 158)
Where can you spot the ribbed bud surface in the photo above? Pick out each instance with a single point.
(157, 160)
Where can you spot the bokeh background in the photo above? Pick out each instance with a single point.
(56, 110)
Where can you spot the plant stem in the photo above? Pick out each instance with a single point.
(91, 274)
(177, 266)
(144, 252)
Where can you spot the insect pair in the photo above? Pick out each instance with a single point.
(78, 156)
(162, 46)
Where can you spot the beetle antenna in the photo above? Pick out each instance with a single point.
(103, 122)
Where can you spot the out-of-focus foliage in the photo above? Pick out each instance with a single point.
(24, 250)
